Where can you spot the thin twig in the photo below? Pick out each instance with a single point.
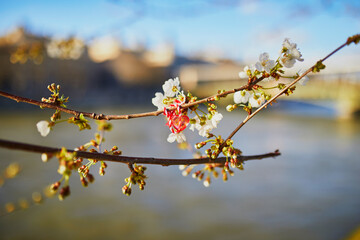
(129, 160)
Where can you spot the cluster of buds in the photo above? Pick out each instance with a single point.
(95, 143)
(137, 177)
(226, 170)
(102, 168)
(80, 121)
(84, 170)
(86, 180)
(44, 126)
(215, 149)
(229, 151)
(67, 163)
(219, 145)
(55, 96)
(210, 170)
(85, 176)
(113, 151)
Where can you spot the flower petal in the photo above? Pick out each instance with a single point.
(43, 128)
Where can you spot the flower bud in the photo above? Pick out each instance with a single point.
(101, 171)
(225, 150)
(208, 152)
(232, 163)
(46, 156)
(200, 145)
(55, 186)
(229, 142)
(226, 166)
(230, 108)
(207, 182)
(90, 178)
(117, 153)
(103, 164)
(126, 190)
(201, 176)
(83, 182)
(196, 174)
(64, 192)
(62, 168)
(225, 177)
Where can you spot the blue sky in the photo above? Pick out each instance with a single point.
(238, 29)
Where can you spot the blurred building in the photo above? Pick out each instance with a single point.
(103, 68)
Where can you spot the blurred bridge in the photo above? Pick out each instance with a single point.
(341, 90)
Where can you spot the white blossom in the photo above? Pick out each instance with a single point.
(248, 71)
(244, 74)
(171, 87)
(43, 128)
(216, 118)
(208, 125)
(179, 137)
(303, 80)
(256, 100)
(290, 54)
(203, 129)
(158, 101)
(241, 97)
(265, 63)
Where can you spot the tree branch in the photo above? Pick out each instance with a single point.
(126, 116)
(129, 160)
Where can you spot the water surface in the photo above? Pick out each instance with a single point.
(311, 191)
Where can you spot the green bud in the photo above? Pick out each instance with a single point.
(229, 108)
(318, 66)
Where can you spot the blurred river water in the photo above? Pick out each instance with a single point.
(311, 191)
